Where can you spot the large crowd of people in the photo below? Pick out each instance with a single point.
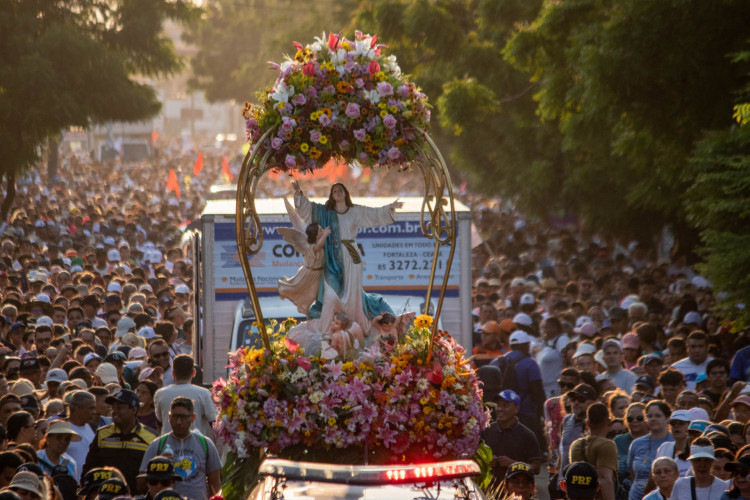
(592, 350)
(601, 361)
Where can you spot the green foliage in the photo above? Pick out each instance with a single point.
(238, 474)
(718, 204)
(236, 38)
(483, 458)
(631, 86)
(71, 63)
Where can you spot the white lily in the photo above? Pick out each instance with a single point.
(283, 92)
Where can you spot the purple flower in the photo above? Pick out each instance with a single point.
(290, 161)
(344, 145)
(315, 136)
(352, 110)
(384, 89)
(349, 66)
(324, 120)
(359, 83)
(287, 124)
(389, 121)
(312, 92)
(364, 157)
(403, 91)
(299, 100)
(276, 143)
(329, 89)
(360, 134)
(394, 153)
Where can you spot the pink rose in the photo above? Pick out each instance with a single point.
(352, 110)
(359, 83)
(360, 134)
(276, 143)
(384, 89)
(315, 136)
(403, 91)
(299, 100)
(324, 120)
(364, 157)
(389, 121)
(394, 153)
(290, 161)
(344, 145)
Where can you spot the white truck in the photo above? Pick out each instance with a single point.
(396, 263)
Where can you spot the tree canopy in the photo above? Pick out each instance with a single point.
(236, 38)
(71, 63)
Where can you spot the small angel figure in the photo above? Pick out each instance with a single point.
(308, 240)
(389, 328)
(343, 338)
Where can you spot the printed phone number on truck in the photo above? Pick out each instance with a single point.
(408, 265)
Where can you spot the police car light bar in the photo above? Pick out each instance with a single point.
(367, 474)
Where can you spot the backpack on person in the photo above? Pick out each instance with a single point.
(201, 438)
(508, 372)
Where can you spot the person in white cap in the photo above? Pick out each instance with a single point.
(526, 380)
(678, 425)
(622, 378)
(702, 486)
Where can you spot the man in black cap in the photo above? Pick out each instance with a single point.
(519, 481)
(159, 476)
(122, 443)
(31, 370)
(112, 488)
(580, 482)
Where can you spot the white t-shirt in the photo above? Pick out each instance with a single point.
(624, 379)
(205, 409)
(667, 450)
(79, 449)
(691, 371)
(681, 490)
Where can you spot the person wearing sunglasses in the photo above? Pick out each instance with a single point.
(159, 476)
(196, 460)
(635, 422)
(740, 469)
(573, 425)
(158, 355)
(643, 449)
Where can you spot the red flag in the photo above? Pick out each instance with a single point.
(198, 164)
(225, 168)
(172, 184)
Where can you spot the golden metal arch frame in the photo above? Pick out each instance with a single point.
(437, 221)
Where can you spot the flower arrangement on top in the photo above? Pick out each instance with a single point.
(339, 98)
(388, 399)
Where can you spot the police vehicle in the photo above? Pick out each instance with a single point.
(285, 479)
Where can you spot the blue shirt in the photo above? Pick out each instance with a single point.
(527, 371)
(740, 369)
(642, 453)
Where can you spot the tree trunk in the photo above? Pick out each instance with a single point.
(10, 194)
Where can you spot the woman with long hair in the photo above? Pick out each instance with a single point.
(643, 449)
(635, 423)
(342, 275)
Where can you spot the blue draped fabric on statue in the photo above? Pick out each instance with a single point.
(333, 274)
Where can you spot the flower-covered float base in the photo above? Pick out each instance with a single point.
(390, 405)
